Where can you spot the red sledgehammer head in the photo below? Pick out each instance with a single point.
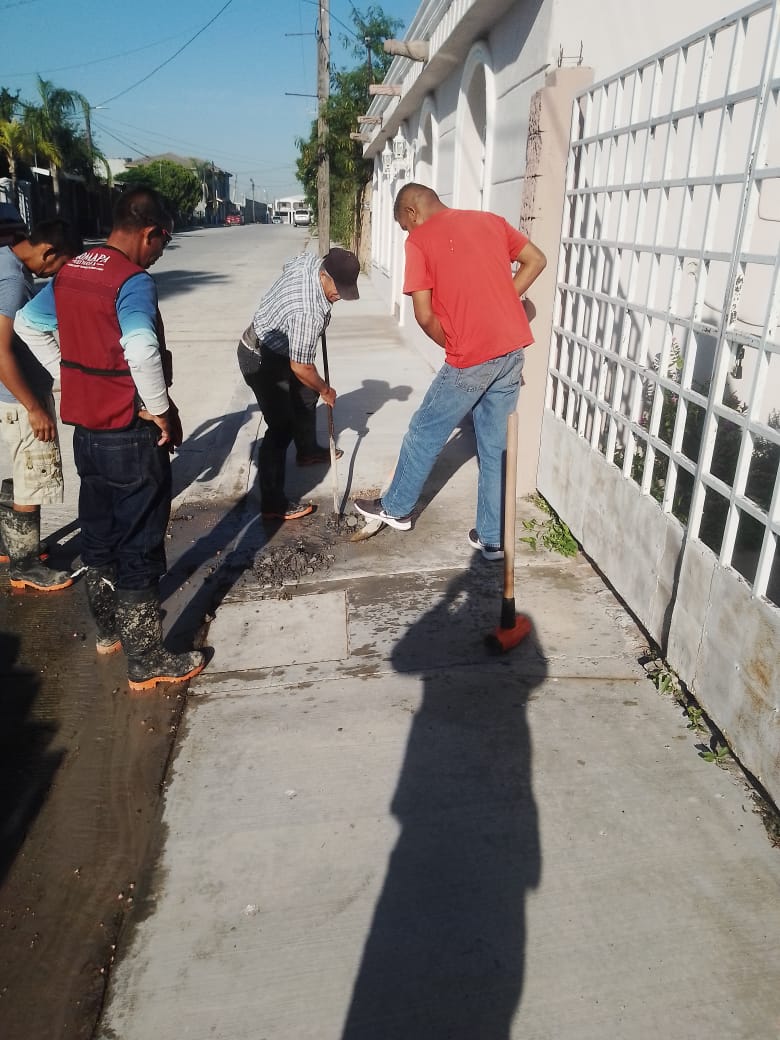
(502, 639)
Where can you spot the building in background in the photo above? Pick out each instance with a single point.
(285, 207)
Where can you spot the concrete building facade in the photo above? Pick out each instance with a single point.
(637, 147)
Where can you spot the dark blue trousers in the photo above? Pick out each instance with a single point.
(124, 501)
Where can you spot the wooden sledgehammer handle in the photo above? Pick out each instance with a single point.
(510, 495)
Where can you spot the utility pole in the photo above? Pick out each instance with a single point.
(323, 92)
(91, 177)
(253, 199)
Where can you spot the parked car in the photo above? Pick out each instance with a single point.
(301, 218)
(232, 218)
(276, 219)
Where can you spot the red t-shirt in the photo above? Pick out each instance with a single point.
(464, 257)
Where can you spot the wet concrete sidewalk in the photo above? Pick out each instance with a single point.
(373, 829)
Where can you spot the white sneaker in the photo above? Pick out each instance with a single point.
(372, 509)
(490, 552)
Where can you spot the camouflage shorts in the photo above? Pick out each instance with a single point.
(37, 465)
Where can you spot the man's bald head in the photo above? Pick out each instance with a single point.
(421, 200)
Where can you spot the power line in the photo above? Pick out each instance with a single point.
(125, 144)
(96, 61)
(168, 60)
(143, 152)
(17, 3)
(178, 143)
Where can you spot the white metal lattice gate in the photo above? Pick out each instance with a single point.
(661, 435)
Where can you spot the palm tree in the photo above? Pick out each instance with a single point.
(13, 145)
(50, 123)
(8, 104)
(18, 143)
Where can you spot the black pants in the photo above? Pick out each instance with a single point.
(289, 409)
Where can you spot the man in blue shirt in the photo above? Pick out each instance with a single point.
(28, 425)
(115, 373)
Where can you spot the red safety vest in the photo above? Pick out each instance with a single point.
(98, 391)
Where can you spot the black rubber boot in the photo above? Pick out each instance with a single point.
(6, 506)
(22, 537)
(4, 557)
(140, 630)
(101, 596)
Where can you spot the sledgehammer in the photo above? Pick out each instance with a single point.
(513, 628)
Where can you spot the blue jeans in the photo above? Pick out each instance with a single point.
(124, 501)
(490, 392)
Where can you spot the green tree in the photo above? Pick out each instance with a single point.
(9, 104)
(180, 187)
(349, 98)
(15, 144)
(51, 125)
(49, 130)
(48, 123)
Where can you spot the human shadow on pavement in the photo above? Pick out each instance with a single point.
(199, 577)
(456, 453)
(173, 283)
(27, 763)
(221, 549)
(352, 412)
(202, 454)
(444, 957)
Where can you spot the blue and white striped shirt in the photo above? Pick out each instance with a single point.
(295, 311)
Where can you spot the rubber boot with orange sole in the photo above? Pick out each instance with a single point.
(43, 548)
(22, 538)
(101, 596)
(149, 663)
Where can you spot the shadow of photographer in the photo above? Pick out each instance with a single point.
(444, 957)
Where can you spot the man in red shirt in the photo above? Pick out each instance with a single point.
(465, 297)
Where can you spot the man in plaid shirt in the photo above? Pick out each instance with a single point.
(277, 356)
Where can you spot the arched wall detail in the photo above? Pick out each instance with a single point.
(475, 130)
(426, 145)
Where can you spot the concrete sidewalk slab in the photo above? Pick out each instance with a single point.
(450, 852)
(268, 633)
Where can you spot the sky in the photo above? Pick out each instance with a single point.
(227, 98)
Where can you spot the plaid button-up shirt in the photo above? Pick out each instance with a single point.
(294, 312)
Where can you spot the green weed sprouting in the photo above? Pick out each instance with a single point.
(553, 532)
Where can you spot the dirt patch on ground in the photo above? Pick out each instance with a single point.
(82, 763)
(292, 556)
(288, 565)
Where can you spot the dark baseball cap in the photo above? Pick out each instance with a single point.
(344, 268)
